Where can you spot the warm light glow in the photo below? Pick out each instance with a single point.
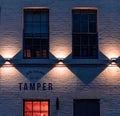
(7, 63)
(110, 76)
(113, 54)
(6, 69)
(62, 75)
(28, 106)
(36, 108)
(61, 54)
(60, 47)
(111, 51)
(88, 8)
(10, 46)
(10, 76)
(8, 53)
(60, 64)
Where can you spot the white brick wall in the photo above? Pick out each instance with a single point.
(69, 82)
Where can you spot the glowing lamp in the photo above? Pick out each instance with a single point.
(60, 59)
(113, 60)
(7, 59)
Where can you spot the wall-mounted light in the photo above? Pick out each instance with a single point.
(57, 103)
(7, 59)
(113, 61)
(60, 59)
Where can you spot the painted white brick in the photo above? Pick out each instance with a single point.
(69, 82)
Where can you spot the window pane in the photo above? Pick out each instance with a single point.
(92, 27)
(93, 39)
(36, 51)
(92, 51)
(84, 33)
(44, 114)
(84, 51)
(36, 17)
(93, 17)
(28, 106)
(36, 42)
(84, 40)
(83, 23)
(28, 114)
(76, 40)
(28, 43)
(27, 53)
(28, 28)
(28, 17)
(44, 42)
(44, 28)
(84, 27)
(76, 52)
(44, 106)
(36, 106)
(44, 17)
(36, 28)
(37, 114)
(76, 22)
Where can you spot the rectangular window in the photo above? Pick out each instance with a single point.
(36, 33)
(84, 33)
(87, 107)
(36, 108)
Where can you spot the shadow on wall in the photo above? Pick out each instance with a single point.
(87, 73)
(30, 68)
(34, 71)
(2, 60)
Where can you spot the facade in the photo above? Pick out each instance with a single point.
(59, 58)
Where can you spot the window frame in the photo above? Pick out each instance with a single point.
(88, 56)
(36, 100)
(38, 38)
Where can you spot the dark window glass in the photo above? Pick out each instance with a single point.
(36, 33)
(87, 107)
(84, 34)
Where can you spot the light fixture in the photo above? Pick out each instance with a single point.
(60, 59)
(113, 60)
(7, 59)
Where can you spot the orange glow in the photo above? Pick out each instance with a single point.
(62, 69)
(8, 53)
(110, 76)
(61, 53)
(61, 74)
(61, 47)
(8, 69)
(28, 106)
(10, 76)
(44, 106)
(10, 47)
(60, 64)
(36, 108)
(7, 63)
(111, 51)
